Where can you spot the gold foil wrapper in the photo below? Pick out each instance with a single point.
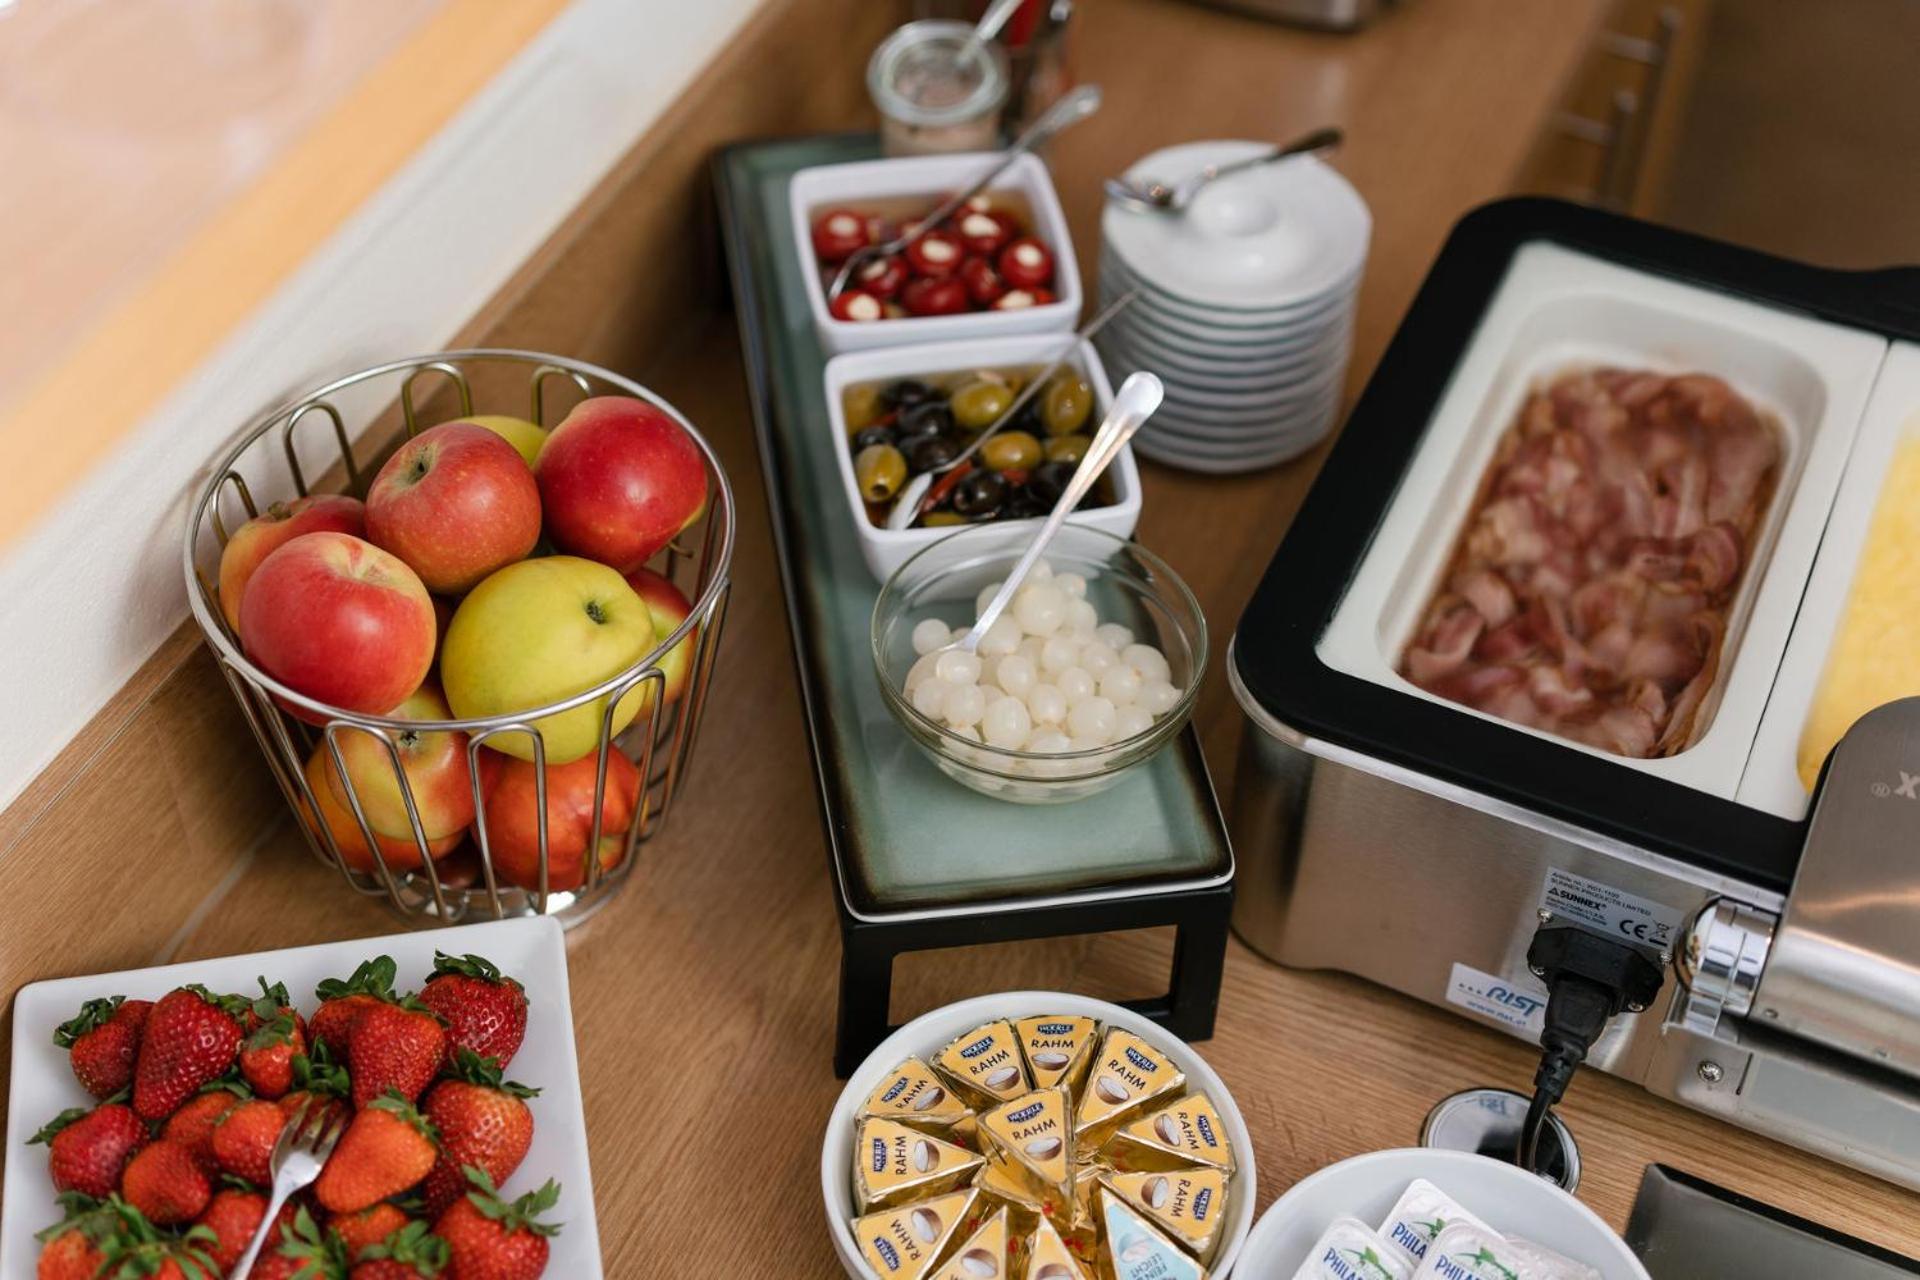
(983, 1255)
(1058, 1049)
(1185, 1131)
(1188, 1204)
(914, 1095)
(904, 1243)
(1048, 1257)
(1030, 1141)
(1132, 1248)
(985, 1065)
(894, 1164)
(1128, 1077)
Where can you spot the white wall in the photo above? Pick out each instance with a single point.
(89, 594)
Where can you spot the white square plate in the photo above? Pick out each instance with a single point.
(533, 951)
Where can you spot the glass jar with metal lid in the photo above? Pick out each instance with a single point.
(937, 89)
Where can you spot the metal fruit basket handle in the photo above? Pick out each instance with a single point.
(658, 743)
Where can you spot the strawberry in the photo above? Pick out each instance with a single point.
(73, 1245)
(191, 1038)
(243, 1140)
(232, 1216)
(394, 1047)
(387, 1148)
(166, 1184)
(102, 1041)
(343, 1000)
(192, 1125)
(483, 1121)
(129, 1245)
(275, 1036)
(493, 1239)
(368, 1226)
(406, 1254)
(87, 1150)
(316, 1077)
(302, 1252)
(484, 1011)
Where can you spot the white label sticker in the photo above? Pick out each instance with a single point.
(1518, 1003)
(1614, 912)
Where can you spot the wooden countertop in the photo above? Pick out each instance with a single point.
(704, 995)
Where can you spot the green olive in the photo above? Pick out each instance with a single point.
(1065, 404)
(1068, 448)
(1011, 451)
(978, 403)
(862, 406)
(880, 471)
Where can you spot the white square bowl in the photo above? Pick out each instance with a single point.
(533, 951)
(885, 550)
(927, 1034)
(828, 186)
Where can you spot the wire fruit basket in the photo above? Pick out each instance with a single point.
(423, 879)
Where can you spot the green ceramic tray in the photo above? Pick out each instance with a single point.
(905, 839)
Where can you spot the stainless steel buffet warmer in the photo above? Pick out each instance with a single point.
(1419, 843)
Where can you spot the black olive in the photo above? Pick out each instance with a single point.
(1029, 419)
(1049, 481)
(871, 435)
(929, 452)
(1025, 504)
(981, 494)
(927, 418)
(905, 392)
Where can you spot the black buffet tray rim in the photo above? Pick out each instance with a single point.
(1275, 642)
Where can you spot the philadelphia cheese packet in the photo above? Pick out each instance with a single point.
(1351, 1250)
(1471, 1251)
(1418, 1217)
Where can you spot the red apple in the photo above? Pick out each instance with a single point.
(668, 606)
(339, 620)
(267, 532)
(399, 855)
(619, 478)
(512, 817)
(455, 502)
(434, 762)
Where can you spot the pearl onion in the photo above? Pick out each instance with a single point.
(957, 666)
(930, 697)
(1130, 722)
(1076, 684)
(1147, 660)
(1048, 741)
(1031, 648)
(1120, 686)
(1002, 637)
(922, 669)
(1016, 674)
(964, 705)
(1042, 570)
(1057, 654)
(1039, 609)
(1098, 658)
(967, 731)
(987, 593)
(1113, 635)
(1047, 703)
(1082, 619)
(930, 634)
(1007, 723)
(1094, 718)
(1072, 584)
(1158, 697)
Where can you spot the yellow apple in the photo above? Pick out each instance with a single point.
(518, 432)
(539, 631)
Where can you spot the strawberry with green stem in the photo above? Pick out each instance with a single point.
(395, 1047)
(302, 1252)
(71, 1247)
(192, 1125)
(494, 1239)
(102, 1041)
(192, 1037)
(343, 1000)
(407, 1254)
(275, 1036)
(244, 1139)
(371, 1225)
(138, 1249)
(484, 1010)
(387, 1148)
(483, 1121)
(88, 1150)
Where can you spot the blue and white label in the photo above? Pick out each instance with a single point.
(1517, 1003)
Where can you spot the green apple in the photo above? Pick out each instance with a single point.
(536, 632)
(518, 432)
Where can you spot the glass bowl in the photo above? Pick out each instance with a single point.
(1126, 584)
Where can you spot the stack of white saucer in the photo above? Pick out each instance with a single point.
(1245, 305)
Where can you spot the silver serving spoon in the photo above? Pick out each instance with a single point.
(1136, 401)
(1158, 197)
(1070, 110)
(993, 20)
(908, 508)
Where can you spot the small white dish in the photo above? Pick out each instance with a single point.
(1176, 455)
(531, 950)
(1255, 240)
(1146, 311)
(822, 187)
(1238, 373)
(1504, 1196)
(930, 1032)
(885, 550)
(1226, 320)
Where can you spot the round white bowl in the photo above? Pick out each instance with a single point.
(1504, 1196)
(931, 1032)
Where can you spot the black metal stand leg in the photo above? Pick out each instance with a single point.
(866, 995)
(1199, 963)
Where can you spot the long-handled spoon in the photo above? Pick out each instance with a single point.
(1158, 197)
(913, 497)
(1135, 402)
(1072, 108)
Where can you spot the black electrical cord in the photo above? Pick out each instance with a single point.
(1589, 978)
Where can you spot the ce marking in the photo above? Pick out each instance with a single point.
(1647, 931)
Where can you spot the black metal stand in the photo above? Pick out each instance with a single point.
(1200, 917)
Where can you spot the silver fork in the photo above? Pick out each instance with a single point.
(298, 1157)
